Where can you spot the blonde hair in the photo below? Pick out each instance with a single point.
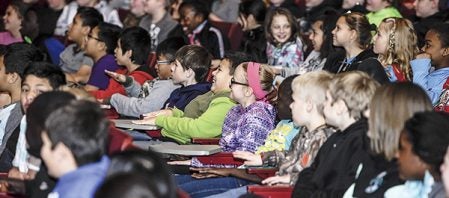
(391, 106)
(313, 86)
(356, 89)
(402, 44)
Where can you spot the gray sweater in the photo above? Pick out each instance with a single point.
(149, 97)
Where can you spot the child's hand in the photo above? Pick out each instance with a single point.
(251, 159)
(118, 77)
(423, 56)
(284, 179)
(226, 172)
(184, 162)
(146, 120)
(165, 112)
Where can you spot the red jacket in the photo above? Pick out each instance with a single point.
(115, 87)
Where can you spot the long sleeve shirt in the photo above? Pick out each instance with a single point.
(245, 128)
(149, 97)
(431, 81)
(207, 125)
(301, 154)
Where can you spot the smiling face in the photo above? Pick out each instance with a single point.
(381, 40)
(341, 33)
(280, 29)
(33, 86)
(12, 20)
(239, 85)
(189, 19)
(409, 164)
(317, 35)
(221, 77)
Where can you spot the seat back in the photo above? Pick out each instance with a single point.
(118, 140)
(233, 31)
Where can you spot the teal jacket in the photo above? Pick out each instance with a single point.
(207, 125)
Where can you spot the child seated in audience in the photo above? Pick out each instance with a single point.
(145, 173)
(396, 44)
(323, 52)
(309, 91)
(391, 106)
(73, 61)
(109, 14)
(74, 152)
(423, 144)
(158, 22)
(309, 94)
(436, 55)
(189, 69)
(13, 21)
(353, 33)
(13, 63)
(381, 9)
(39, 77)
(246, 125)
(251, 18)
(132, 53)
(41, 184)
(151, 95)
(198, 29)
(334, 167)
(100, 45)
(203, 117)
(284, 47)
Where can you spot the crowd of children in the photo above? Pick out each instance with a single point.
(342, 98)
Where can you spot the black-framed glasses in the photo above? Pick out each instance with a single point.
(238, 83)
(92, 37)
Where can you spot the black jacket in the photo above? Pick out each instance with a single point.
(423, 25)
(335, 165)
(254, 43)
(367, 62)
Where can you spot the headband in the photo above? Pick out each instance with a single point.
(254, 80)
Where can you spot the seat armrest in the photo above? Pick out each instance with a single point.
(154, 133)
(271, 191)
(223, 158)
(205, 141)
(262, 172)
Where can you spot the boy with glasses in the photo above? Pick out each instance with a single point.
(151, 95)
(100, 45)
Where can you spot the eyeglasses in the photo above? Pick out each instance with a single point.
(163, 62)
(238, 83)
(90, 36)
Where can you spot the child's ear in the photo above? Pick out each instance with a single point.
(63, 154)
(129, 53)
(102, 46)
(85, 30)
(13, 77)
(445, 51)
(309, 105)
